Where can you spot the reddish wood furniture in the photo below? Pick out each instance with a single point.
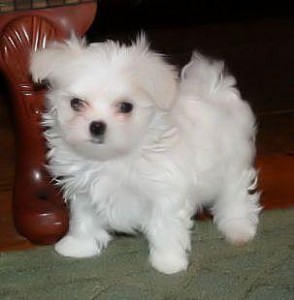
(39, 212)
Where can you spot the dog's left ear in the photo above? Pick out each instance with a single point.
(160, 78)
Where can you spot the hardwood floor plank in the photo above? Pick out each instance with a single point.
(276, 180)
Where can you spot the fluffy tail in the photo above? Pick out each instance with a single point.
(207, 79)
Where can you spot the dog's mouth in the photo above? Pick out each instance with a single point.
(98, 141)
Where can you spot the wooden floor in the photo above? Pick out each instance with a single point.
(271, 98)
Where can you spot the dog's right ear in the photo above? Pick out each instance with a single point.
(47, 64)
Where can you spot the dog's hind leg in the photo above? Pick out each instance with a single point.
(236, 211)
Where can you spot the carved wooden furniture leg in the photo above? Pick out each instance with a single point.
(39, 212)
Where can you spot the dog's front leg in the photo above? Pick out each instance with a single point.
(86, 237)
(169, 239)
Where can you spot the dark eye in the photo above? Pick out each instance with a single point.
(77, 104)
(125, 107)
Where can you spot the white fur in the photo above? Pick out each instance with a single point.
(188, 143)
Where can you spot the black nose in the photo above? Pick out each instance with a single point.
(97, 128)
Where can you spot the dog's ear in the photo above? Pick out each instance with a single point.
(47, 64)
(160, 78)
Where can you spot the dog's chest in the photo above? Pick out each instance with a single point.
(119, 197)
(126, 193)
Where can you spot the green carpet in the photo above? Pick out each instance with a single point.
(264, 269)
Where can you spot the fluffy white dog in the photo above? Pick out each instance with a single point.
(135, 148)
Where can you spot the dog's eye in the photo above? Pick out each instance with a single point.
(125, 107)
(77, 104)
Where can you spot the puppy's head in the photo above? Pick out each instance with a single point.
(103, 96)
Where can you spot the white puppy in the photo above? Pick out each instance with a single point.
(134, 148)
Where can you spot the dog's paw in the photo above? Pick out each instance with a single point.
(239, 231)
(77, 247)
(168, 263)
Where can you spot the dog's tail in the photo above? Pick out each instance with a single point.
(207, 79)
